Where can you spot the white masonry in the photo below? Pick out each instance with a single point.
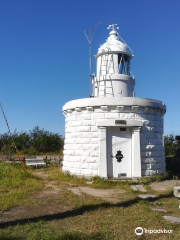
(114, 121)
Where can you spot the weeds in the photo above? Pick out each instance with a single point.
(158, 178)
(97, 182)
(15, 184)
(100, 183)
(56, 173)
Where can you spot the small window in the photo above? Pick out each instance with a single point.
(123, 129)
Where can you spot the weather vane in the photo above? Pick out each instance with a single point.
(113, 26)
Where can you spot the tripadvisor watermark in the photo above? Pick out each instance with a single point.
(140, 231)
(157, 231)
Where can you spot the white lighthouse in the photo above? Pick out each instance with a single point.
(114, 134)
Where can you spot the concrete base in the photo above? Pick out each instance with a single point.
(177, 192)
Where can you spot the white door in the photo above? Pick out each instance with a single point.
(119, 139)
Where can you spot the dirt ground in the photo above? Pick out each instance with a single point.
(47, 201)
(109, 195)
(164, 185)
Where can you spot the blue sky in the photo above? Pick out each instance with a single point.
(44, 61)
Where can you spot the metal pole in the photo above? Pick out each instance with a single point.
(17, 152)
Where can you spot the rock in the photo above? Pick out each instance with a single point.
(147, 196)
(138, 188)
(172, 219)
(134, 188)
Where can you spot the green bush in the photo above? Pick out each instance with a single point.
(158, 178)
(171, 145)
(35, 142)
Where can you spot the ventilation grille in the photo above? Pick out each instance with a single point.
(122, 175)
(123, 129)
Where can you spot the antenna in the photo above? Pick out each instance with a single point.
(90, 38)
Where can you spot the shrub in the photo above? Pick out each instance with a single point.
(171, 145)
(35, 142)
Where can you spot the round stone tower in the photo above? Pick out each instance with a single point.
(114, 134)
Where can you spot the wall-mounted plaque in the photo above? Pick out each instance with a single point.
(123, 122)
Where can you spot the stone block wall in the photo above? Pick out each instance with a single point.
(152, 145)
(81, 149)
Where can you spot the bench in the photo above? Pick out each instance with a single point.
(35, 162)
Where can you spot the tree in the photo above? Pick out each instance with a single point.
(36, 141)
(45, 141)
(5, 142)
(171, 145)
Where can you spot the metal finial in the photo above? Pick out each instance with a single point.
(113, 26)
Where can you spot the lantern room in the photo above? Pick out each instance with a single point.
(114, 77)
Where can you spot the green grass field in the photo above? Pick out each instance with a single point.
(84, 217)
(15, 186)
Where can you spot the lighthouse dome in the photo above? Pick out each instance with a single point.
(114, 44)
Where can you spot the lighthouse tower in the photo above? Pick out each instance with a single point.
(114, 134)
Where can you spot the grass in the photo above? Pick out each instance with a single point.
(55, 173)
(15, 185)
(105, 222)
(104, 184)
(92, 218)
(158, 178)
